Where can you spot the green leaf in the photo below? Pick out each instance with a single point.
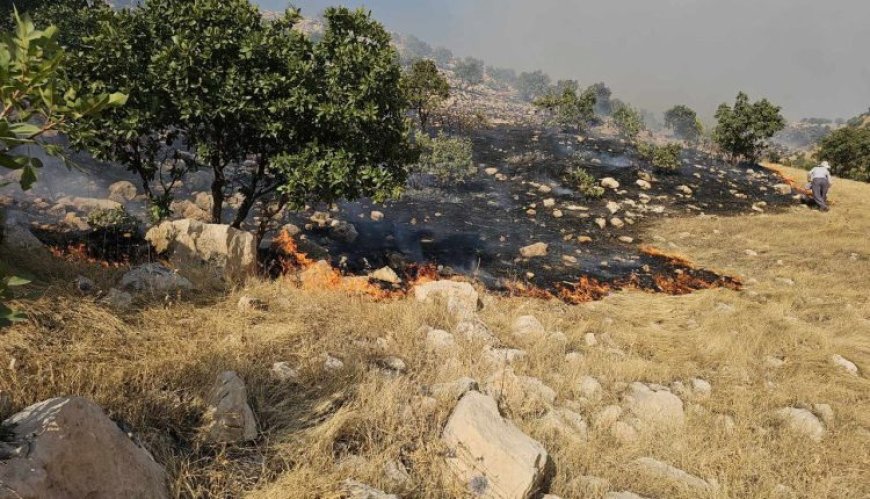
(28, 177)
(16, 281)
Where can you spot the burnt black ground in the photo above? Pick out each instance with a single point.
(478, 226)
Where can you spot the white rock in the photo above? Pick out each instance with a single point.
(528, 326)
(613, 207)
(655, 408)
(283, 371)
(386, 274)
(460, 297)
(846, 364)
(68, 447)
(565, 423)
(519, 391)
(440, 341)
(826, 412)
(622, 495)
(331, 363)
(607, 417)
(623, 432)
(803, 422)
(489, 454)
(356, 490)
(501, 357)
(155, 278)
(665, 471)
(590, 339)
(643, 184)
(590, 388)
(684, 189)
(534, 250)
(232, 253)
(455, 389)
(617, 222)
(377, 216)
(229, 417)
(701, 388)
(122, 192)
(609, 183)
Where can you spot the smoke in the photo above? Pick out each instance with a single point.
(805, 55)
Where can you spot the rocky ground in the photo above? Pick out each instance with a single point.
(275, 391)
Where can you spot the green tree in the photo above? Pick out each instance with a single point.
(448, 158)
(425, 88)
(663, 158)
(684, 122)
(532, 85)
(569, 109)
(848, 151)
(628, 120)
(36, 99)
(742, 130)
(470, 70)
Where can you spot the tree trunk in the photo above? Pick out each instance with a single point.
(250, 195)
(217, 192)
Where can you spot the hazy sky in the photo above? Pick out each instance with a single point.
(810, 56)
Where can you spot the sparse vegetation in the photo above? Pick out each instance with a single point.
(532, 85)
(115, 220)
(569, 110)
(743, 130)
(470, 70)
(448, 158)
(664, 158)
(579, 177)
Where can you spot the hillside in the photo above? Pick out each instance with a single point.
(378, 421)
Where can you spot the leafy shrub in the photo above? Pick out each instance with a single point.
(114, 220)
(583, 181)
(663, 158)
(628, 120)
(848, 150)
(7, 315)
(742, 131)
(448, 158)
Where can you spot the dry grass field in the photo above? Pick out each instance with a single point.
(806, 298)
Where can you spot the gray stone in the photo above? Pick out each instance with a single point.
(229, 417)
(356, 490)
(845, 363)
(665, 471)
(528, 326)
(67, 447)
(490, 454)
(801, 422)
(655, 408)
(154, 278)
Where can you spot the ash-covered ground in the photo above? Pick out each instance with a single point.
(519, 198)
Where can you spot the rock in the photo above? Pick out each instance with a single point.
(501, 357)
(726, 423)
(528, 326)
(439, 341)
(565, 423)
(584, 239)
(232, 252)
(377, 216)
(474, 330)
(607, 417)
(155, 278)
(617, 222)
(750, 252)
(386, 274)
(684, 189)
(461, 298)
(229, 417)
(519, 391)
(845, 363)
(122, 192)
(19, 238)
(665, 471)
(701, 388)
(84, 285)
(626, 239)
(590, 340)
(558, 214)
(456, 389)
(356, 490)
(609, 183)
(623, 432)
(658, 408)
(622, 495)
(87, 205)
(782, 189)
(344, 232)
(534, 250)
(826, 412)
(491, 455)
(392, 365)
(491, 171)
(643, 184)
(549, 203)
(331, 363)
(118, 299)
(589, 388)
(613, 207)
(249, 303)
(773, 362)
(283, 371)
(601, 223)
(802, 422)
(68, 447)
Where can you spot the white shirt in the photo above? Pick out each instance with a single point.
(819, 172)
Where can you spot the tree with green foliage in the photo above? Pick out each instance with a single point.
(448, 158)
(470, 70)
(425, 88)
(532, 85)
(579, 177)
(684, 122)
(36, 101)
(742, 130)
(570, 110)
(848, 151)
(628, 120)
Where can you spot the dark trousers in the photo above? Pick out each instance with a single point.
(820, 192)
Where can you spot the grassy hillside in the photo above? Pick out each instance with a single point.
(806, 298)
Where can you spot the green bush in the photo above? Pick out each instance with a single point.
(663, 158)
(448, 158)
(583, 181)
(848, 150)
(114, 219)
(628, 120)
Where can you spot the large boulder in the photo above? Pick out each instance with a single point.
(460, 297)
(188, 242)
(229, 417)
(490, 454)
(68, 447)
(654, 408)
(122, 192)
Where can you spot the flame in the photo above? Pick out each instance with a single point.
(81, 253)
(674, 258)
(292, 257)
(775, 168)
(585, 290)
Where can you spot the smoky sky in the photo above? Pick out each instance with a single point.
(812, 57)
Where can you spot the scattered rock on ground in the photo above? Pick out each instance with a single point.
(534, 250)
(663, 470)
(356, 490)
(565, 423)
(609, 183)
(118, 299)
(460, 297)
(528, 326)
(229, 417)
(68, 447)
(801, 422)
(386, 274)
(654, 407)
(155, 278)
(845, 363)
(283, 371)
(519, 391)
(491, 455)
(122, 192)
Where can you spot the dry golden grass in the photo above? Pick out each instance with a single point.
(151, 369)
